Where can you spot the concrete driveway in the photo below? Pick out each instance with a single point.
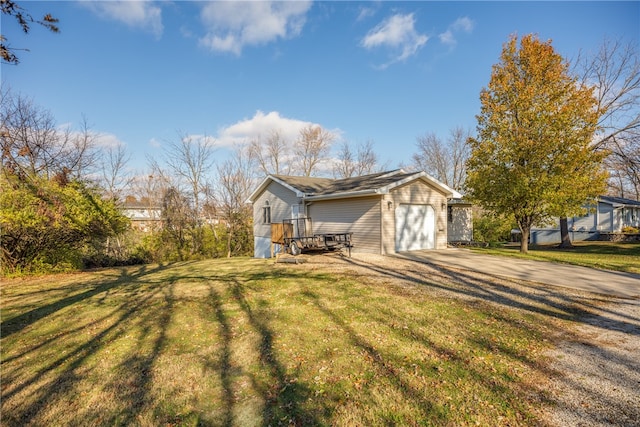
(625, 285)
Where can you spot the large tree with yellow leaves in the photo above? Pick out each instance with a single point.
(532, 158)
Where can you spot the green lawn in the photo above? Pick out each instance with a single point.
(602, 255)
(246, 342)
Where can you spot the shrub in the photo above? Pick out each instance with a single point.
(630, 230)
(47, 226)
(491, 229)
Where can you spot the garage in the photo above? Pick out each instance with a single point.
(415, 227)
(386, 212)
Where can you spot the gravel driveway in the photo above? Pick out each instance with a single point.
(595, 366)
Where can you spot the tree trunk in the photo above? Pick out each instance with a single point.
(565, 239)
(524, 241)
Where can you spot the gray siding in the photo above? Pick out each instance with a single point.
(360, 216)
(280, 200)
(605, 217)
(261, 247)
(550, 236)
(631, 217)
(583, 223)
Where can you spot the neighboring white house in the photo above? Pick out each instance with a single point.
(143, 217)
(610, 214)
(387, 212)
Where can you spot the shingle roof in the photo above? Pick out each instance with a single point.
(311, 188)
(619, 201)
(322, 186)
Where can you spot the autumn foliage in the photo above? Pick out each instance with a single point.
(532, 158)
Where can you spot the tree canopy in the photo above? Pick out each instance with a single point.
(532, 158)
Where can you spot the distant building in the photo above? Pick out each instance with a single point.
(143, 217)
(608, 215)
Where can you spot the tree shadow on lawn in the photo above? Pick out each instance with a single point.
(546, 300)
(384, 363)
(224, 365)
(580, 308)
(284, 395)
(137, 309)
(67, 365)
(18, 323)
(285, 398)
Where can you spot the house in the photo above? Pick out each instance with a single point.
(387, 212)
(144, 217)
(608, 215)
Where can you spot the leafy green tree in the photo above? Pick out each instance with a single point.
(488, 228)
(50, 217)
(47, 225)
(532, 158)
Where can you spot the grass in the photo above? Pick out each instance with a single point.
(246, 342)
(602, 255)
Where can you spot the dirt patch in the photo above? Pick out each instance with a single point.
(594, 366)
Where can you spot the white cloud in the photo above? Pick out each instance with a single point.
(259, 126)
(366, 12)
(464, 25)
(145, 15)
(100, 139)
(447, 38)
(107, 140)
(232, 25)
(398, 34)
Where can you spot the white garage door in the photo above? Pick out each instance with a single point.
(415, 227)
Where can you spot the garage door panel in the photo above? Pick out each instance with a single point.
(415, 227)
(359, 216)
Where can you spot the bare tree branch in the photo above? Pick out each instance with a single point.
(272, 155)
(190, 159)
(345, 166)
(311, 147)
(363, 162)
(446, 161)
(614, 73)
(114, 175)
(24, 18)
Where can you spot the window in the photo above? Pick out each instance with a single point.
(450, 213)
(266, 213)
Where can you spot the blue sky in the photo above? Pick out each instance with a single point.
(140, 72)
